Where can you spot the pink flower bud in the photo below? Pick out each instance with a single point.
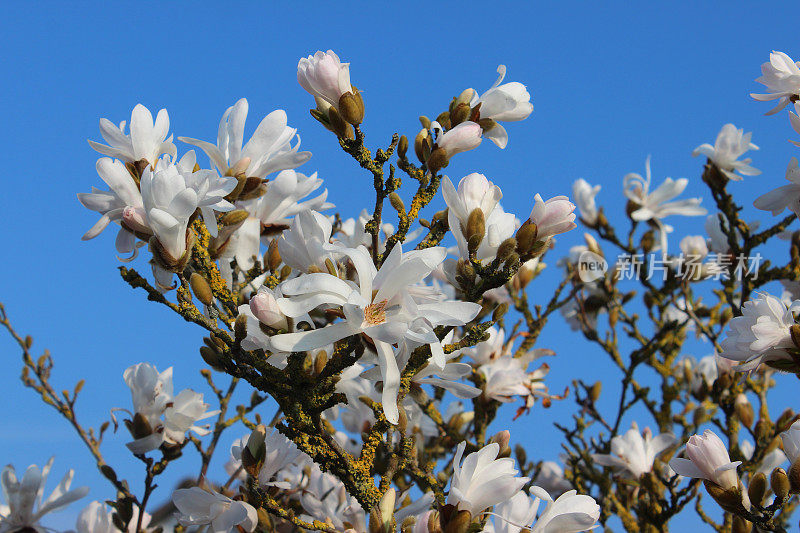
(553, 216)
(265, 308)
(463, 137)
(324, 76)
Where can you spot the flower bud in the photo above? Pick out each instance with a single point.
(320, 361)
(273, 260)
(211, 358)
(422, 145)
(729, 499)
(444, 120)
(240, 327)
(351, 107)
(380, 519)
(264, 306)
(526, 237)
(594, 392)
(459, 114)
(794, 477)
(500, 311)
(235, 217)
(402, 146)
(744, 410)
(201, 288)
(502, 438)
(255, 451)
(757, 488)
(438, 160)
(461, 138)
(780, 483)
(553, 216)
(397, 203)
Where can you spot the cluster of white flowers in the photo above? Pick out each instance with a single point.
(159, 416)
(307, 290)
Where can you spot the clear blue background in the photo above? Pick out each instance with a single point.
(610, 84)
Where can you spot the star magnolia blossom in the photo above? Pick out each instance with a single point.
(145, 142)
(380, 306)
(306, 243)
(22, 495)
(172, 193)
(268, 150)
(553, 216)
(781, 76)
(476, 192)
(272, 211)
(584, 195)
(569, 513)
(655, 205)
(197, 507)
(507, 377)
(785, 196)
(97, 518)
(482, 480)
(123, 196)
(325, 498)
(280, 453)
(635, 451)
(761, 333)
(731, 144)
(707, 459)
(550, 477)
(694, 246)
(507, 102)
(152, 395)
(324, 76)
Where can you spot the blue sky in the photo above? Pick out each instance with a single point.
(610, 85)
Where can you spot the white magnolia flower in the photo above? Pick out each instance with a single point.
(551, 478)
(151, 391)
(791, 442)
(447, 377)
(476, 192)
(352, 233)
(268, 150)
(460, 138)
(503, 103)
(635, 451)
(97, 518)
(172, 193)
(182, 413)
(482, 480)
(146, 141)
(569, 513)
(23, 495)
(269, 213)
(584, 195)
(123, 197)
(306, 243)
(197, 507)
(656, 205)
(703, 372)
(492, 348)
(731, 144)
(512, 515)
(761, 333)
(785, 196)
(707, 459)
(324, 76)
(380, 306)
(325, 498)
(553, 216)
(781, 76)
(507, 377)
(694, 246)
(281, 452)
